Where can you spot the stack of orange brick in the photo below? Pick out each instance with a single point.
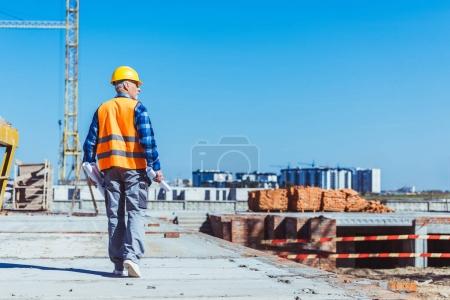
(334, 200)
(376, 207)
(354, 202)
(302, 199)
(268, 200)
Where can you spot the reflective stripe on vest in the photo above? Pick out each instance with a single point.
(118, 142)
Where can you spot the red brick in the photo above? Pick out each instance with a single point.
(171, 234)
(328, 264)
(221, 226)
(398, 285)
(255, 230)
(247, 230)
(321, 227)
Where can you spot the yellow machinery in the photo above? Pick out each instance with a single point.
(9, 139)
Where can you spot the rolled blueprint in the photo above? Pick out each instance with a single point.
(152, 174)
(94, 174)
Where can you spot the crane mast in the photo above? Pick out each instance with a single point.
(70, 154)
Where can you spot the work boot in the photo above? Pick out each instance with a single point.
(133, 268)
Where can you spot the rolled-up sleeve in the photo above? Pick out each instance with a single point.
(146, 136)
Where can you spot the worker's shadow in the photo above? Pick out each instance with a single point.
(76, 270)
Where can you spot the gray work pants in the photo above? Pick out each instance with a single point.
(126, 200)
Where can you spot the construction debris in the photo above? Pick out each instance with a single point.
(171, 235)
(376, 207)
(301, 199)
(33, 187)
(398, 285)
(354, 202)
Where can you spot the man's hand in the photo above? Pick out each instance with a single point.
(159, 177)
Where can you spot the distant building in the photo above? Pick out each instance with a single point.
(211, 178)
(407, 190)
(341, 178)
(325, 178)
(221, 179)
(367, 181)
(362, 180)
(289, 177)
(256, 180)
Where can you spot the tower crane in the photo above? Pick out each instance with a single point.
(70, 155)
(287, 166)
(312, 164)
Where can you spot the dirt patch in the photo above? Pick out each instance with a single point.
(432, 283)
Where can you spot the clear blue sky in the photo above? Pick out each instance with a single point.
(354, 83)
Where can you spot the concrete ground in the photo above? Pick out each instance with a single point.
(61, 257)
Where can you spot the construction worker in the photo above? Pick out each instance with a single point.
(122, 138)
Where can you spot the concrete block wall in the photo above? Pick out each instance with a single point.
(64, 192)
(239, 230)
(443, 206)
(310, 229)
(242, 230)
(250, 230)
(221, 226)
(64, 206)
(436, 205)
(321, 228)
(166, 205)
(158, 199)
(431, 225)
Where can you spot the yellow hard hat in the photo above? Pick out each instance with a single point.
(125, 73)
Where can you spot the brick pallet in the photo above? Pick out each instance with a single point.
(305, 199)
(301, 199)
(268, 200)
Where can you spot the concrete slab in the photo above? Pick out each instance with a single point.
(90, 279)
(72, 263)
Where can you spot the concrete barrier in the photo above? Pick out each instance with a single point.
(436, 205)
(179, 199)
(64, 206)
(65, 192)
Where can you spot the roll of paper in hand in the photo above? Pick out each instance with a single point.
(152, 174)
(95, 175)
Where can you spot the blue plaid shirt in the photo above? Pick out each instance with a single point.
(145, 132)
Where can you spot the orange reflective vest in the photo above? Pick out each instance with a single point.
(118, 141)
